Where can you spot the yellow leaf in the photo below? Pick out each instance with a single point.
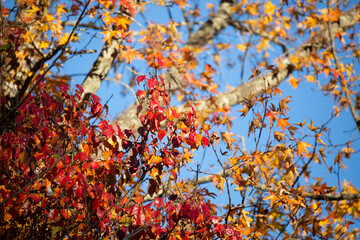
(252, 8)
(294, 82)
(156, 159)
(318, 135)
(310, 79)
(124, 22)
(269, 8)
(241, 47)
(109, 34)
(63, 39)
(302, 147)
(246, 218)
(218, 182)
(217, 59)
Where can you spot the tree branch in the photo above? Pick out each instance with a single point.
(260, 83)
(101, 66)
(228, 172)
(206, 32)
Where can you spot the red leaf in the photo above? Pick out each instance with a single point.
(100, 213)
(158, 202)
(120, 133)
(219, 228)
(161, 134)
(140, 94)
(53, 214)
(271, 115)
(64, 88)
(64, 180)
(169, 161)
(160, 63)
(151, 83)
(35, 121)
(80, 88)
(140, 79)
(109, 131)
(205, 141)
(193, 214)
(94, 165)
(95, 98)
(83, 156)
(102, 125)
(153, 104)
(80, 191)
(96, 108)
(193, 111)
(19, 119)
(176, 141)
(162, 80)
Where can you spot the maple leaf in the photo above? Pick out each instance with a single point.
(294, 82)
(271, 115)
(279, 136)
(255, 72)
(283, 123)
(123, 22)
(269, 8)
(140, 79)
(302, 147)
(108, 35)
(310, 79)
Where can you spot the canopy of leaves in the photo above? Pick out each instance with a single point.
(69, 172)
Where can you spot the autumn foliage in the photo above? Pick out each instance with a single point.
(67, 171)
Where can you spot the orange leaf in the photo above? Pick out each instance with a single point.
(161, 134)
(294, 82)
(271, 115)
(283, 123)
(65, 213)
(86, 149)
(156, 159)
(107, 154)
(279, 136)
(198, 139)
(138, 199)
(171, 114)
(8, 216)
